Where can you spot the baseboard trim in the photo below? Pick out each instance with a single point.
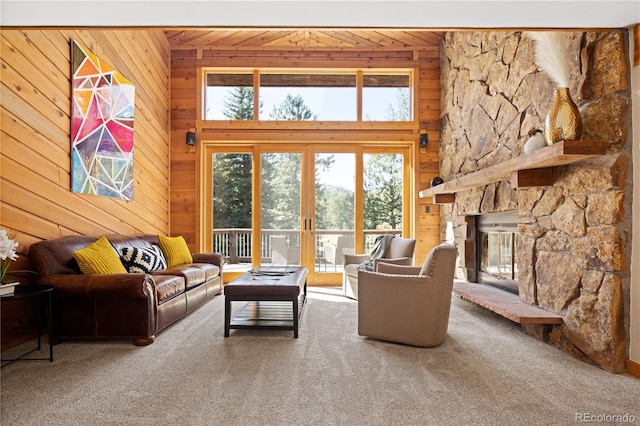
(633, 368)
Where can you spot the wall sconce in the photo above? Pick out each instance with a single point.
(191, 138)
(424, 140)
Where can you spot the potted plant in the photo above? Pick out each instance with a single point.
(7, 253)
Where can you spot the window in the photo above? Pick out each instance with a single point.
(308, 95)
(229, 97)
(385, 97)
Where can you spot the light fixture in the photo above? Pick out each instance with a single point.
(191, 138)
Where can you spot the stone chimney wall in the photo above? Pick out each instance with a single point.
(575, 236)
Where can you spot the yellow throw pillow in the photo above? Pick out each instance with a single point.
(99, 258)
(175, 249)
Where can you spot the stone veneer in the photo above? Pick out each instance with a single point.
(575, 236)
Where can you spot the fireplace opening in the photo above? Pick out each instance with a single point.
(497, 247)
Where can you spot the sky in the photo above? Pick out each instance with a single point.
(342, 172)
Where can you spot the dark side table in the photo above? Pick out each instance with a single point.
(42, 294)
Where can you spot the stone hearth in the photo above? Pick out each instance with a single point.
(574, 235)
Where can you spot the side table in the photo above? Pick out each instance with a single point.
(42, 294)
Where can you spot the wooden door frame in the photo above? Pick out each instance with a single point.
(307, 149)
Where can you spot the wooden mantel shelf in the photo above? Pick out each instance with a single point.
(527, 170)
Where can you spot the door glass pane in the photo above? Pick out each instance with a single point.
(280, 208)
(383, 183)
(232, 191)
(334, 204)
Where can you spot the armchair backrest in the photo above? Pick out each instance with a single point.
(343, 242)
(400, 247)
(440, 262)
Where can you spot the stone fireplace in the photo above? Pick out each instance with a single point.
(574, 236)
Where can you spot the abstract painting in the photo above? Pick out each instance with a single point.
(102, 108)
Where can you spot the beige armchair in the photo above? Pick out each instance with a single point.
(400, 251)
(408, 304)
(333, 254)
(282, 253)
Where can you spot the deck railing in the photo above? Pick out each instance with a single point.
(235, 243)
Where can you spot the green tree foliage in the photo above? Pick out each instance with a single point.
(280, 201)
(334, 205)
(399, 111)
(231, 191)
(337, 209)
(383, 191)
(281, 174)
(238, 104)
(292, 108)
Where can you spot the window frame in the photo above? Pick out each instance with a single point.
(358, 72)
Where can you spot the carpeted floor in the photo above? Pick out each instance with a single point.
(488, 372)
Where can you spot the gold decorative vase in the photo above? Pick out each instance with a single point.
(563, 122)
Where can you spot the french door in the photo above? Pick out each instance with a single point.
(301, 204)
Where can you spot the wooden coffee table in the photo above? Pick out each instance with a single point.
(276, 297)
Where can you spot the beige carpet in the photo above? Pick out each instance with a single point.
(488, 372)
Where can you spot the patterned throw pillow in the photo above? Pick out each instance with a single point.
(99, 257)
(176, 250)
(144, 260)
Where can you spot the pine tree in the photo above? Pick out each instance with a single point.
(383, 191)
(399, 111)
(292, 108)
(238, 104)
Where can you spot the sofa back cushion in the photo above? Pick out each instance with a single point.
(55, 256)
(138, 241)
(50, 257)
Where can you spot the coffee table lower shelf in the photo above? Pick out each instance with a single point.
(264, 314)
(267, 314)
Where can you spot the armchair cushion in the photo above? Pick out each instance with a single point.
(391, 268)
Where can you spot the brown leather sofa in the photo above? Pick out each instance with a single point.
(121, 306)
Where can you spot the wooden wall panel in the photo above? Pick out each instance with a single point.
(36, 200)
(427, 215)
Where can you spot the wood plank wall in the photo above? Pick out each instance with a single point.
(636, 45)
(35, 155)
(185, 96)
(427, 214)
(35, 198)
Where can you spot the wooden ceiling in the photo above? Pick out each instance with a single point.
(303, 38)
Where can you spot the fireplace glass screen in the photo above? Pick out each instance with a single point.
(497, 250)
(499, 254)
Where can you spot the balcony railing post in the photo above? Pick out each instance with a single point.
(233, 246)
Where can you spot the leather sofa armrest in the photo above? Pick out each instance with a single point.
(213, 258)
(92, 285)
(355, 259)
